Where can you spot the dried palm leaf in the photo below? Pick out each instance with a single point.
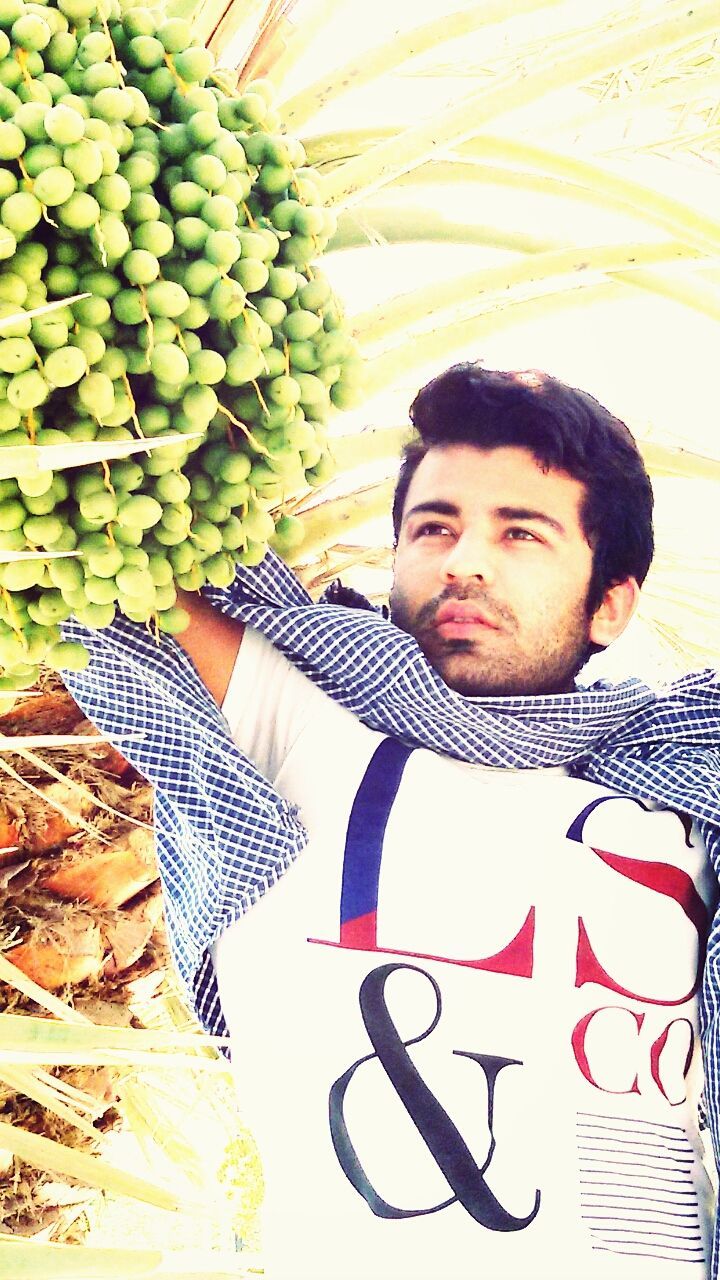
(58, 798)
(60, 949)
(30, 1261)
(42, 1088)
(342, 558)
(37, 994)
(86, 798)
(45, 1154)
(269, 38)
(291, 37)
(45, 1041)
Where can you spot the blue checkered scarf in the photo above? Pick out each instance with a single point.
(224, 835)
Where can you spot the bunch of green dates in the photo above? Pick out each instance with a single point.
(175, 228)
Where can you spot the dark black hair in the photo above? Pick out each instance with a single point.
(563, 428)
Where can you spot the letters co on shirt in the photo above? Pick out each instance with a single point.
(644, 1035)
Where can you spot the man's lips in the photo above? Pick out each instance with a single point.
(458, 618)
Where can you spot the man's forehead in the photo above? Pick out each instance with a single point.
(468, 465)
(469, 478)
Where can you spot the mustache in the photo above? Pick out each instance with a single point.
(427, 612)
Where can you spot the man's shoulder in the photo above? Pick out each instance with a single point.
(212, 641)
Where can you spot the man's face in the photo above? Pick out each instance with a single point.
(492, 571)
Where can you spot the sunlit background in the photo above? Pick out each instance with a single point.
(653, 361)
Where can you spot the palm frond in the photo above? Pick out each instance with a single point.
(291, 38)
(26, 460)
(269, 37)
(429, 351)
(389, 54)
(326, 522)
(491, 289)
(42, 1088)
(44, 1041)
(27, 1260)
(363, 175)
(7, 321)
(44, 1153)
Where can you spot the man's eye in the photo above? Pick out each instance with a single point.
(521, 535)
(431, 529)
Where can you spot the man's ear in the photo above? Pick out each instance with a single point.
(615, 611)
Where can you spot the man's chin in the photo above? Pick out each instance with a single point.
(464, 673)
(471, 685)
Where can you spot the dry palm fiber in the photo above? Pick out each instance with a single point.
(81, 915)
(32, 1201)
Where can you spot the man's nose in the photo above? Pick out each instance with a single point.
(469, 557)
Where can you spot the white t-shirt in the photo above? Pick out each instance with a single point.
(465, 1024)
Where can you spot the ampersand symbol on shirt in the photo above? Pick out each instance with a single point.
(443, 1139)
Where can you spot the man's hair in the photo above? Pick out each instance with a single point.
(562, 428)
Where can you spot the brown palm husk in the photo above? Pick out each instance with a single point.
(80, 914)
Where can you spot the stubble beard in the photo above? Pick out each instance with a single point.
(496, 665)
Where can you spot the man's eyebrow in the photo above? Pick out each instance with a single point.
(440, 507)
(527, 513)
(437, 506)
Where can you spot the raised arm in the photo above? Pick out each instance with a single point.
(212, 642)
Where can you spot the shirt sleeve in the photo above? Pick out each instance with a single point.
(224, 834)
(268, 703)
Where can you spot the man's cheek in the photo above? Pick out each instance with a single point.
(399, 609)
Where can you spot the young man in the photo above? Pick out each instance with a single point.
(465, 1020)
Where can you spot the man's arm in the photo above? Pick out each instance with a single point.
(212, 641)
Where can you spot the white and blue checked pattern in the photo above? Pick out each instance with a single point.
(224, 835)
